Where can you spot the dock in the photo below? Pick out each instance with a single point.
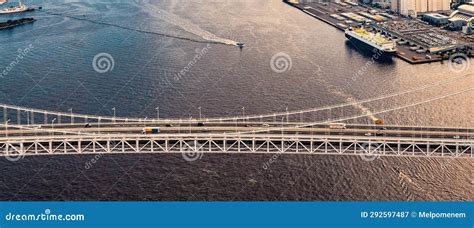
(340, 16)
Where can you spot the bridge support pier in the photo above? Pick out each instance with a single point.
(18, 116)
(5, 114)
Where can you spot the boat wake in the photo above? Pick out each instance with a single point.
(186, 25)
(205, 36)
(350, 99)
(362, 108)
(84, 18)
(411, 188)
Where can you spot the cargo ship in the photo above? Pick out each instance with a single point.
(371, 41)
(14, 23)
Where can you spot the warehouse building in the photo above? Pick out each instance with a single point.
(436, 19)
(413, 7)
(463, 16)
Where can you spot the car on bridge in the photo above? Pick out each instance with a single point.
(337, 126)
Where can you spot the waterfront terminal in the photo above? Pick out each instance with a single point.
(424, 38)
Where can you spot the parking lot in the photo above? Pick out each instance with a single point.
(419, 33)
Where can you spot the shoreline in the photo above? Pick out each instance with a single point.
(404, 55)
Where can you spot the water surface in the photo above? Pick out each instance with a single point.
(58, 74)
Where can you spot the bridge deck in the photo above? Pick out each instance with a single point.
(236, 143)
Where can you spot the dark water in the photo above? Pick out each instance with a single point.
(57, 74)
(222, 177)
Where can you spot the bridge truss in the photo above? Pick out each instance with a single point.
(238, 144)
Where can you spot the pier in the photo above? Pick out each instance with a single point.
(342, 16)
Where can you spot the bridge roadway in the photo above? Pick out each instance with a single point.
(238, 127)
(239, 137)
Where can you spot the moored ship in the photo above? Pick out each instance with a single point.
(371, 41)
(14, 23)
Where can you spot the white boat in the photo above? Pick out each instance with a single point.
(14, 9)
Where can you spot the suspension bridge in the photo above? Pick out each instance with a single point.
(27, 132)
